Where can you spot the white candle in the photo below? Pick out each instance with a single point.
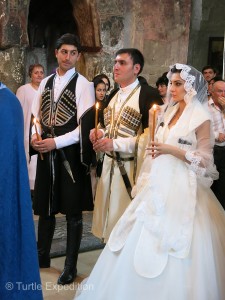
(153, 123)
(38, 136)
(96, 120)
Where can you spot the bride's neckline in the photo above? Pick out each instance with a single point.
(173, 121)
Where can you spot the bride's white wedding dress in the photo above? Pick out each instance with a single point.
(170, 242)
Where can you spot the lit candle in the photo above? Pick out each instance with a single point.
(38, 136)
(153, 122)
(96, 120)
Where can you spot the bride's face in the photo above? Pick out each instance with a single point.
(176, 87)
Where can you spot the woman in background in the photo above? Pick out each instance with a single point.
(105, 78)
(162, 84)
(100, 98)
(26, 94)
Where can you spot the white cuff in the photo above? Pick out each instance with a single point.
(125, 145)
(67, 139)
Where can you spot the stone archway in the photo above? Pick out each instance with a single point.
(27, 34)
(47, 22)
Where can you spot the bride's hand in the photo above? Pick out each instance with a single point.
(155, 149)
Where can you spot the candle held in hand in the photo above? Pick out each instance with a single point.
(153, 122)
(38, 136)
(96, 120)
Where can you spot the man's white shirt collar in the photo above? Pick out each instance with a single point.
(129, 88)
(67, 75)
(125, 91)
(212, 103)
(61, 81)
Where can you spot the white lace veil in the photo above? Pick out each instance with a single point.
(195, 84)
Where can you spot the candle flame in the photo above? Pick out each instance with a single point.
(36, 121)
(154, 107)
(97, 105)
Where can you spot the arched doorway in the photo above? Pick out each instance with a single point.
(48, 20)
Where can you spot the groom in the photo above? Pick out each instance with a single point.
(121, 139)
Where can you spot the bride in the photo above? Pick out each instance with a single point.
(170, 242)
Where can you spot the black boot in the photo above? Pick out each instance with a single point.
(74, 235)
(46, 227)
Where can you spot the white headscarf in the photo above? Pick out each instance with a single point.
(195, 85)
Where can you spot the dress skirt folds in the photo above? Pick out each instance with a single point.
(143, 269)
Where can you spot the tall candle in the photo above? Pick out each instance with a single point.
(153, 123)
(38, 136)
(96, 120)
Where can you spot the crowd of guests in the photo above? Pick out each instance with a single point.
(80, 163)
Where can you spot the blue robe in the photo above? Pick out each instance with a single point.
(19, 270)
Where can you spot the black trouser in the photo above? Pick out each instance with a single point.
(46, 227)
(218, 185)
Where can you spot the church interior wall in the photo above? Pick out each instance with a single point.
(163, 30)
(207, 22)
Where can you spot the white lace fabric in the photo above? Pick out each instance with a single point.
(195, 162)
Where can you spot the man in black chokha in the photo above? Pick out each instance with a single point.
(62, 182)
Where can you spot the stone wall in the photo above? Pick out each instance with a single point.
(207, 21)
(159, 28)
(13, 40)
